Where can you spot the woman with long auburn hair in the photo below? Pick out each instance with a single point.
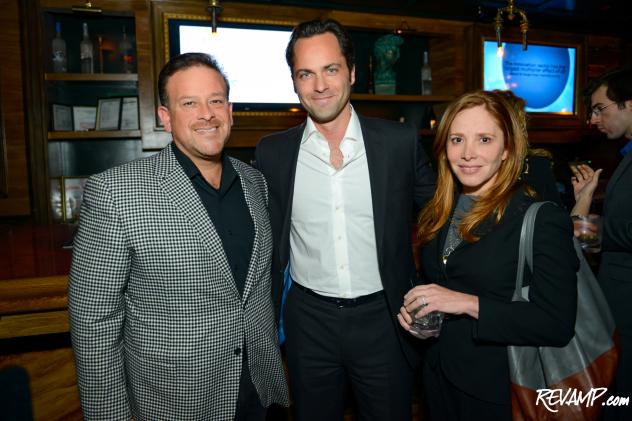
(469, 233)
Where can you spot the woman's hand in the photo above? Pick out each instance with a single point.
(584, 182)
(424, 299)
(405, 320)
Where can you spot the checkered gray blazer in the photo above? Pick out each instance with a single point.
(157, 323)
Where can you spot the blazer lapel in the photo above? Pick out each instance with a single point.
(287, 176)
(378, 178)
(257, 211)
(180, 191)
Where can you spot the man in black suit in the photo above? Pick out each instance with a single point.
(609, 99)
(343, 189)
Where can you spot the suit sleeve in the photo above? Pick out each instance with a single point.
(548, 319)
(425, 178)
(618, 220)
(259, 156)
(619, 228)
(97, 281)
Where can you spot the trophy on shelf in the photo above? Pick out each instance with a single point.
(386, 51)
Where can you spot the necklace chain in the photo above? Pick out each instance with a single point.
(453, 240)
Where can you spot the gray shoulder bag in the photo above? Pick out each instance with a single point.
(586, 363)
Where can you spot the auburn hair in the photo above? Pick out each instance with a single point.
(494, 203)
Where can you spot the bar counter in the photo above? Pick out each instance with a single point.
(34, 264)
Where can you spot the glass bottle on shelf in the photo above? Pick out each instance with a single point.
(125, 50)
(86, 52)
(370, 88)
(60, 59)
(100, 46)
(426, 76)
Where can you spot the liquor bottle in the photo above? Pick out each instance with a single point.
(86, 52)
(125, 50)
(426, 76)
(370, 88)
(60, 59)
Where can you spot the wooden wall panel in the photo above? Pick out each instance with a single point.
(603, 53)
(15, 201)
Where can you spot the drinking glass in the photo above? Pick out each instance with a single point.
(589, 228)
(426, 326)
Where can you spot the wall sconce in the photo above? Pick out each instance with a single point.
(511, 11)
(403, 28)
(214, 8)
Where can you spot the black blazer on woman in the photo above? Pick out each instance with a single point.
(473, 353)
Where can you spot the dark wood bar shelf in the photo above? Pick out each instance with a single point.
(94, 134)
(427, 132)
(92, 77)
(401, 98)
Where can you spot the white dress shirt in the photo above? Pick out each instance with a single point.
(332, 237)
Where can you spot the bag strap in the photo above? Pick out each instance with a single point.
(525, 250)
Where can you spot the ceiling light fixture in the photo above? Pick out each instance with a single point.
(214, 8)
(511, 11)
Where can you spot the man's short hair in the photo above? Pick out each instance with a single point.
(618, 85)
(318, 27)
(183, 62)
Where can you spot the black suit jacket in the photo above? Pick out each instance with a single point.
(539, 175)
(401, 180)
(615, 270)
(473, 353)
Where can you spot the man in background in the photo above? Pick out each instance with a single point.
(169, 294)
(342, 194)
(609, 99)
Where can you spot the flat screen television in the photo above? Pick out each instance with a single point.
(544, 75)
(252, 56)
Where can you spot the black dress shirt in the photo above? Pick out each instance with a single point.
(228, 211)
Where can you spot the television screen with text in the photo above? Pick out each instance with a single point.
(543, 75)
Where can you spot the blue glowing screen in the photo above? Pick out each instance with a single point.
(544, 76)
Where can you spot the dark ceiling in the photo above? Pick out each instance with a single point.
(583, 16)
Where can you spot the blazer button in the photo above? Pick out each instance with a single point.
(237, 351)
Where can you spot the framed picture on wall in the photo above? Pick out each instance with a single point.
(56, 200)
(62, 117)
(84, 118)
(72, 196)
(108, 114)
(129, 113)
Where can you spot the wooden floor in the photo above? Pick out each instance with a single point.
(49, 362)
(51, 372)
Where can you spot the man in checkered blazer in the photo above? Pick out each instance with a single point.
(169, 294)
